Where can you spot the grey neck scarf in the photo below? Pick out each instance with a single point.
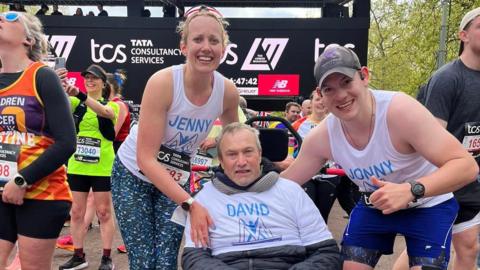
(262, 184)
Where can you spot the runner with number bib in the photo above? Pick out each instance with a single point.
(91, 165)
(151, 173)
(383, 140)
(37, 136)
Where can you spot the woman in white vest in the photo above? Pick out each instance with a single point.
(151, 173)
(405, 164)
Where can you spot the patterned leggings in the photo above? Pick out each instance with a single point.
(143, 214)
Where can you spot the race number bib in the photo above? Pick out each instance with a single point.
(202, 158)
(88, 150)
(8, 162)
(176, 163)
(471, 140)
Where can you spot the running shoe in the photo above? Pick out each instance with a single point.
(106, 264)
(15, 265)
(65, 242)
(122, 249)
(75, 263)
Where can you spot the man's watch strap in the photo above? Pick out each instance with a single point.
(187, 204)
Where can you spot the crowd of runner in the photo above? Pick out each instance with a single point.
(411, 167)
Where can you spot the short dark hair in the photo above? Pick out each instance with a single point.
(291, 104)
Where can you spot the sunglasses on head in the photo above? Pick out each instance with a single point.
(197, 9)
(10, 16)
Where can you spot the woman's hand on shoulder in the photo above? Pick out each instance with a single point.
(200, 221)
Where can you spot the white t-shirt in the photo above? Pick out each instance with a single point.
(282, 215)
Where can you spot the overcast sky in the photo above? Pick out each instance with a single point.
(227, 12)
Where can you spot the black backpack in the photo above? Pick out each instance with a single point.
(105, 125)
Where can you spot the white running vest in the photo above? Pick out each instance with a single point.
(379, 158)
(187, 124)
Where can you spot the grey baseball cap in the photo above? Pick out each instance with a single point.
(336, 59)
(470, 16)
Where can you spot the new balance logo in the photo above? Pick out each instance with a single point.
(61, 46)
(280, 84)
(267, 58)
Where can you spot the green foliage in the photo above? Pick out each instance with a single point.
(29, 9)
(3, 8)
(404, 40)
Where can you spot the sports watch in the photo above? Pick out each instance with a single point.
(20, 181)
(187, 204)
(417, 189)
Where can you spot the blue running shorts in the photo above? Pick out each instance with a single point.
(427, 231)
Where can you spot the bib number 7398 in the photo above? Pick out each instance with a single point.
(8, 160)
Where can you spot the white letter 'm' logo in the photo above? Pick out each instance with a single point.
(268, 59)
(61, 45)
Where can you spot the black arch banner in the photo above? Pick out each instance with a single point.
(269, 60)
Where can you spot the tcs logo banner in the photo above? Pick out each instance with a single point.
(107, 53)
(278, 84)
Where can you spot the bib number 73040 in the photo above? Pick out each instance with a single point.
(88, 150)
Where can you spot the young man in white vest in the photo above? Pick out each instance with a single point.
(383, 140)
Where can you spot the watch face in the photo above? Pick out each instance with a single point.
(19, 181)
(185, 206)
(418, 189)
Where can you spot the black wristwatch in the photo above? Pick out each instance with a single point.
(187, 204)
(417, 189)
(20, 181)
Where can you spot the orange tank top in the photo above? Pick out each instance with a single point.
(24, 136)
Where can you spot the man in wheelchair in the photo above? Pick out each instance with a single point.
(260, 218)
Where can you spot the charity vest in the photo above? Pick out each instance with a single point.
(379, 158)
(24, 136)
(187, 124)
(94, 155)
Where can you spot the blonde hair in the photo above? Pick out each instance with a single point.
(34, 32)
(182, 27)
